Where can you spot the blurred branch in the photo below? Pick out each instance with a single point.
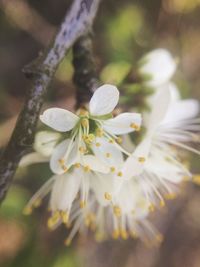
(76, 23)
(85, 76)
(26, 18)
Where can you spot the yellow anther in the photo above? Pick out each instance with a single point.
(83, 112)
(120, 174)
(111, 141)
(107, 196)
(86, 168)
(37, 202)
(170, 196)
(116, 234)
(135, 126)
(53, 220)
(141, 159)
(151, 207)
(124, 234)
(98, 144)
(117, 211)
(133, 234)
(186, 178)
(162, 203)
(112, 169)
(67, 242)
(82, 204)
(196, 179)
(27, 210)
(108, 155)
(159, 238)
(77, 165)
(88, 138)
(85, 123)
(99, 132)
(119, 140)
(65, 169)
(82, 149)
(64, 216)
(61, 161)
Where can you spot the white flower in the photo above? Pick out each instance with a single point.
(157, 67)
(89, 129)
(155, 160)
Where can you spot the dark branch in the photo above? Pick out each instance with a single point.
(85, 77)
(76, 23)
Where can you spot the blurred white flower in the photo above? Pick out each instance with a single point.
(156, 163)
(157, 67)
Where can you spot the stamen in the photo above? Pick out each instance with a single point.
(85, 123)
(61, 161)
(107, 196)
(77, 165)
(67, 242)
(151, 207)
(111, 141)
(83, 112)
(99, 132)
(98, 144)
(141, 159)
(117, 211)
(119, 140)
(64, 217)
(162, 203)
(135, 126)
(82, 149)
(112, 169)
(53, 220)
(27, 210)
(196, 179)
(108, 155)
(124, 234)
(170, 196)
(82, 204)
(159, 238)
(120, 174)
(37, 203)
(116, 234)
(86, 168)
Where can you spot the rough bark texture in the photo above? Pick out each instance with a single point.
(85, 77)
(76, 23)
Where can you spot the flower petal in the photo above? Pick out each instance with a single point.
(32, 158)
(64, 191)
(182, 110)
(160, 108)
(123, 123)
(95, 164)
(59, 119)
(107, 153)
(134, 165)
(59, 152)
(159, 66)
(45, 142)
(104, 100)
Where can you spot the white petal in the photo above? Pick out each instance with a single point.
(104, 100)
(108, 153)
(182, 110)
(32, 158)
(59, 153)
(134, 165)
(65, 190)
(45, 142)
(95, 164)
(59, 119)
(160, 108)
(123, 123)
(102, 184)
(159, 65)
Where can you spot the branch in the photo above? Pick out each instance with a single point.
(85, 77)
(76, 23)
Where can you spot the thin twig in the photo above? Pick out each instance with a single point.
(85, 76)
(76, 23)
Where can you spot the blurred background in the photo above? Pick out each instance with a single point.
(123, 31)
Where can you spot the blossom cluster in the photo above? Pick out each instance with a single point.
(104, 181)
